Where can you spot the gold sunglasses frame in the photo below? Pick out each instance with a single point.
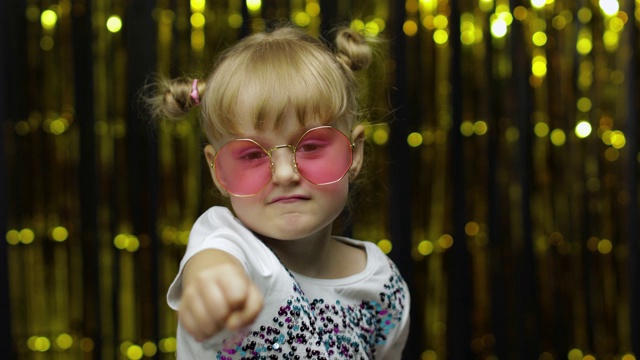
(294, 163)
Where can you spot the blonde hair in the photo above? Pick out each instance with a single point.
(263, 74)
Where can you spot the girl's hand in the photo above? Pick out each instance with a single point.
(217, 296)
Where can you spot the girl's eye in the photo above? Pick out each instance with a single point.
(311, 146)
(313, 143)
(255, 154)
(246, 151)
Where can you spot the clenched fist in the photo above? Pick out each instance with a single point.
(217, 294)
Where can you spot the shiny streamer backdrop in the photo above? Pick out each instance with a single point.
(503, 172)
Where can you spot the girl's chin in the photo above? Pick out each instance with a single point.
(291, 230)
(290, 234)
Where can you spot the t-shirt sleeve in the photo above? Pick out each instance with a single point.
(215, 229)
(218, 229)
(219, 240)
(398, 338)
(398, 291)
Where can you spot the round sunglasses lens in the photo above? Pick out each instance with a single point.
(323, 155)
(242, 167)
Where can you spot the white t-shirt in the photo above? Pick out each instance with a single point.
(363, 316)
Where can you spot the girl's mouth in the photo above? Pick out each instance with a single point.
(288, 199)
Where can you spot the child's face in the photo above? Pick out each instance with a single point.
(291, 207)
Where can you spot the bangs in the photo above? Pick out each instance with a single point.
(260, 84)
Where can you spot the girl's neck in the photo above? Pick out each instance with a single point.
(319, 256)
(308, 256)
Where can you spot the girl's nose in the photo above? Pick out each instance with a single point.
(283, 166)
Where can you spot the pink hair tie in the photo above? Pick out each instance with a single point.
(194, 92)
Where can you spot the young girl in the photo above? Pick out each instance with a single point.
(269, 280)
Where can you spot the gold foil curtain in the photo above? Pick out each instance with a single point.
(548, 164)
(502, 176)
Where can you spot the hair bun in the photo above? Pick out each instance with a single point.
(171, 99)
(352, 49)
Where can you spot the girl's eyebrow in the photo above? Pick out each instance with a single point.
(267, 143)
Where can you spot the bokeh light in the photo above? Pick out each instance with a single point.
(114, 23)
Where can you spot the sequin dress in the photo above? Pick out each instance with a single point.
(363, 316)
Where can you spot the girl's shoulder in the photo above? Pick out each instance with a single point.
(374, 254)
(376, 267)
(217, 228)
(219, 221)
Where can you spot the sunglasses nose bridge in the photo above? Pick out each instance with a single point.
(294, 165)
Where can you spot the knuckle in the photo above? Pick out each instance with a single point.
(202, 279)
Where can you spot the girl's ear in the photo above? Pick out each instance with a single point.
(357, 136)
(210, 155)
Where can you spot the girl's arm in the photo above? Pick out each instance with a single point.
(217, 294)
